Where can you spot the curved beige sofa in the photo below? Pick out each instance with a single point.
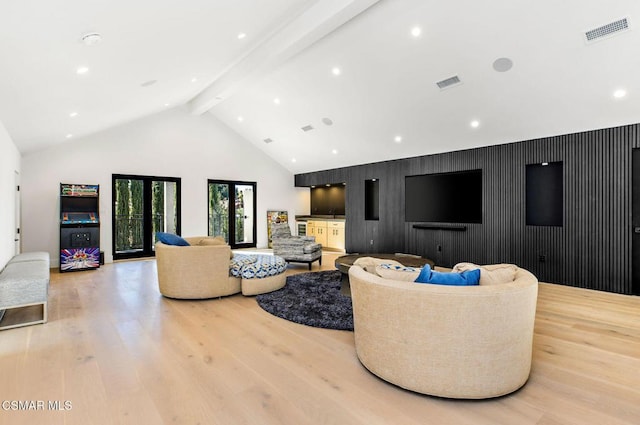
(196, 271)
(468, 342)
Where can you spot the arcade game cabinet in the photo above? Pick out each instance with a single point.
(79, 227)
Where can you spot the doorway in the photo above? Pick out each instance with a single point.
(635, 219)
(16, 222)
(142, 206)
(232, 212)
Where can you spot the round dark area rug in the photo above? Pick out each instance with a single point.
(312, 299)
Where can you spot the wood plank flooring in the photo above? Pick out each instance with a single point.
(119, 353)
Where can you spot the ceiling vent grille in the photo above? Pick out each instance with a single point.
(607, 30)
(307, 128)
(449, 82)
(267, 140)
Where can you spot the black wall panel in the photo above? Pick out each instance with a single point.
(592, 249)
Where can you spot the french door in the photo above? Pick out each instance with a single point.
(232, 212)
(142, 206)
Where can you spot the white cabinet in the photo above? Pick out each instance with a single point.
(330, 234)
(335, 235)
(318, 228)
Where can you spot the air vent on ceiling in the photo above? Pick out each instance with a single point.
(607, 30)
(451, 81)
(307, 128)
(267, 140)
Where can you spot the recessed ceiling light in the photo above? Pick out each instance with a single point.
(327, 121)
(293, 160)
(335, 151)
(240, 119)
(502, 64)
(82, 70)
(336, 71)
(544, 164)
(241, 36)
(167, 104)
(475, 123)
(397, 139)
(620, 93)
(69, 136)
(416, 31)
(73, 114)
(276, 101)
(91, 38)
(148, 83)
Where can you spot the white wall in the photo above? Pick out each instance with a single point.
(9, 164)
(172, 143)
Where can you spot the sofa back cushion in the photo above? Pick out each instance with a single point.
(218, 240)
(492, 274)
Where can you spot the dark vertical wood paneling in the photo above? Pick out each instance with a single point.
(593, 248)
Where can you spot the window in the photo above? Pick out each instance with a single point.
(232, 212)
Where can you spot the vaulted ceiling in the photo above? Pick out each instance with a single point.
(327, 83)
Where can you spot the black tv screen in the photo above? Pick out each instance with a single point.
(444, 198)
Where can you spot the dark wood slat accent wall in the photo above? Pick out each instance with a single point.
(592, 249)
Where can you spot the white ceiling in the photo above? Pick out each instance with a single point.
(559, 84)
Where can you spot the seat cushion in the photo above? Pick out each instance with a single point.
(23, 283)
(31, 256)
(264, 266)
(238, 261)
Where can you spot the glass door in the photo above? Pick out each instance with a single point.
(244, 214)
(232, 212)
(142, 206)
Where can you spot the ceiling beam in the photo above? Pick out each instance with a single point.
(319, 20)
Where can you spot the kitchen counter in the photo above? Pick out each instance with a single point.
(320, 217)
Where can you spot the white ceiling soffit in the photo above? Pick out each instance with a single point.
(301, 32)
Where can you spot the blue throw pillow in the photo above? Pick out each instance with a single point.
(171, 239)
(466, 278)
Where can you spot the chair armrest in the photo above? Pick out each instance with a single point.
(311, 248)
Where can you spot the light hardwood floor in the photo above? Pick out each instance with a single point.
(122, 354)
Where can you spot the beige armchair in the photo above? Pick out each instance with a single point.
(459, 342)
(195, 272)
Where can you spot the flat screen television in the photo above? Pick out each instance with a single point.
(444, 197)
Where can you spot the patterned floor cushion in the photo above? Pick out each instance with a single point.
(263, 266)
(238, 262)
